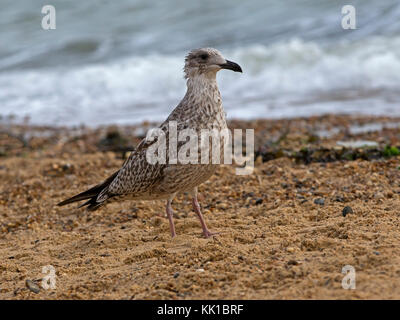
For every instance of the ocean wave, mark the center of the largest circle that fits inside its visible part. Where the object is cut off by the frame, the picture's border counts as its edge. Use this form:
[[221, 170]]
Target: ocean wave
[[283, 79]]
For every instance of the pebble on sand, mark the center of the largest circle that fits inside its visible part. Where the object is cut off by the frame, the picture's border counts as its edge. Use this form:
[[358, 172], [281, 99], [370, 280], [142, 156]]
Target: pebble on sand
[[292, 263], [32, 286], [346, 210], [320, 201]]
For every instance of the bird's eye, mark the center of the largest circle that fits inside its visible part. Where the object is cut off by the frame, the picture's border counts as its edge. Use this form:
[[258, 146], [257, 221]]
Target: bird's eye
[[204, 56]]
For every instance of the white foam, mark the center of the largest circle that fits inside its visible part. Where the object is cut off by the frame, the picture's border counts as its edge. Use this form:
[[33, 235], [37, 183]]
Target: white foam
[[281, 80]]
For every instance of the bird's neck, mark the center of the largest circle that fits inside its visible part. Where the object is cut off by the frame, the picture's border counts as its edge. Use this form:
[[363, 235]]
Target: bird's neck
[[204, 98], [204, 85]]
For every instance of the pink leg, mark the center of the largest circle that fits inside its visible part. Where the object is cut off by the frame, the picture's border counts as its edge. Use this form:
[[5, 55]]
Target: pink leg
[[170, 218], [196, 207]]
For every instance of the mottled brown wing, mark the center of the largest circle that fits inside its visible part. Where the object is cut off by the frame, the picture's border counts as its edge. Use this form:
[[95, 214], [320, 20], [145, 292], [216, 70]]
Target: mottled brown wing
[[137, 177]]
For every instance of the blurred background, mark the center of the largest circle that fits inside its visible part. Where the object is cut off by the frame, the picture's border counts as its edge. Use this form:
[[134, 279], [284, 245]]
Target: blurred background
[[121, 61]]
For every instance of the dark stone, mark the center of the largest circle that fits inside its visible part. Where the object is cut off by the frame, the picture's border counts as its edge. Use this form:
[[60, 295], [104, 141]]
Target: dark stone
[[32, 286], [346, 210], [259, 201], [176, 275], [320, 201], [292, 263]]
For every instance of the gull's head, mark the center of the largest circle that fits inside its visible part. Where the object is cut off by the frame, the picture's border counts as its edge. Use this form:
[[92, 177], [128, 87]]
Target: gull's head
[[207, 61]]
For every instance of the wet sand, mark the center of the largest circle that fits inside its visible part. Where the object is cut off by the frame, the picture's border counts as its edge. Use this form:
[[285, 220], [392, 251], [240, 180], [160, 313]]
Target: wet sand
[[285, 232]]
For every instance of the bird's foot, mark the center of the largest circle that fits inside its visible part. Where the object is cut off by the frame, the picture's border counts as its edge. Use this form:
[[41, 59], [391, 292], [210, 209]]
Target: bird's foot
[[208, 234]]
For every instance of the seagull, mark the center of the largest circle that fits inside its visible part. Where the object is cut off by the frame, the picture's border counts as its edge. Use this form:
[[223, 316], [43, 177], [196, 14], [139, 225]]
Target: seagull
[[138, 179]]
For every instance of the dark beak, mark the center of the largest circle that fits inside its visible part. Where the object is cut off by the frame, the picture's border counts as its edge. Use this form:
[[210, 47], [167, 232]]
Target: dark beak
[[231, 66]]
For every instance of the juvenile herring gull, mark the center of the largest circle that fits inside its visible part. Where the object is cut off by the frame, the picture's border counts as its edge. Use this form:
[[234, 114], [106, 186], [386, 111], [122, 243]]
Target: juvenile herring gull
[[201, 108]]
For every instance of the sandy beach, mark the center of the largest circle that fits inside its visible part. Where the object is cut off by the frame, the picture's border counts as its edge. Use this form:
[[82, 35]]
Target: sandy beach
[[325, 193]]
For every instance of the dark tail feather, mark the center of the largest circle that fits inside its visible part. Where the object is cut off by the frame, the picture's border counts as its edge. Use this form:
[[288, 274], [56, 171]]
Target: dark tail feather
[[91, 204], [90, 194]]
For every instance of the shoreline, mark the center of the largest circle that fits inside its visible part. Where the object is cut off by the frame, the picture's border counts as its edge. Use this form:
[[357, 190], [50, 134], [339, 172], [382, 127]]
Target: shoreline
[[286, 230], [273, 138], [11, 120]]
